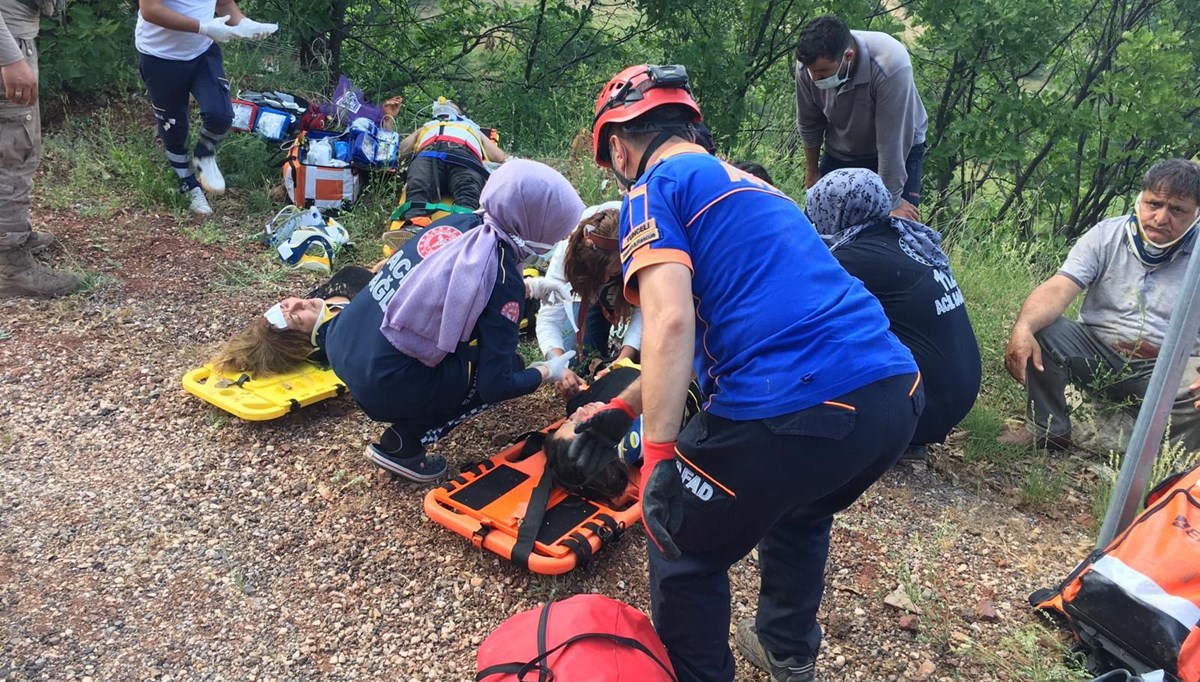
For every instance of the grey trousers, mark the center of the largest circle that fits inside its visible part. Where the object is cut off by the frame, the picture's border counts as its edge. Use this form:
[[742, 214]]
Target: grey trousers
[[20, 154], [1072, 353]]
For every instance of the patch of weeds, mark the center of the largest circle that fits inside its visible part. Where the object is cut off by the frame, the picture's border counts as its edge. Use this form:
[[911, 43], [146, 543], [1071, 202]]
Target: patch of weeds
[[1043, 486], [547, 587], [984, 424], [1102, 490], [149, 181], [93, 281], [529, 351], [98, 209], [240, 276], [207, 232], [239, 578], [5, 334], [921, 577], [216, 419], [1031, 654], [249, 163], [345, 480], [7, 438], [1173, 458]]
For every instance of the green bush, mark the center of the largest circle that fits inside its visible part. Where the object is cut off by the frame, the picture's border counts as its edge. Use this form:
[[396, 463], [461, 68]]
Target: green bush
[[87, 53]]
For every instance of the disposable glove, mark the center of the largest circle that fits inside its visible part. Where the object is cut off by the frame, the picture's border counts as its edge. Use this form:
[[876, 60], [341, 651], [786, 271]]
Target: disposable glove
[[556, 368], [218, 30], [662, 496], [254, 30], [549, 290], [597, 438]]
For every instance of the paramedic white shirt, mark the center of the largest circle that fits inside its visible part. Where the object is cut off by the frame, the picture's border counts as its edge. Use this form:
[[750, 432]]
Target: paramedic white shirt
[[181, 46]]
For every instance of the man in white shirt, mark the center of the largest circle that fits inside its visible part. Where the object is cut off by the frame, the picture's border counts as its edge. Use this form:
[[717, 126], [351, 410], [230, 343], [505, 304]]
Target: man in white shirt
[[178, 58]]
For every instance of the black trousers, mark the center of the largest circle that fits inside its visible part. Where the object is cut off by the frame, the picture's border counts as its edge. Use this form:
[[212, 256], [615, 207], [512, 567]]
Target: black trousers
[[775, 483], [431, 179]]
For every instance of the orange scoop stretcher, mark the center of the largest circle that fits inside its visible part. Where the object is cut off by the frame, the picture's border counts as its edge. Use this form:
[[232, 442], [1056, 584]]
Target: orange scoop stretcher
[[508, 505]]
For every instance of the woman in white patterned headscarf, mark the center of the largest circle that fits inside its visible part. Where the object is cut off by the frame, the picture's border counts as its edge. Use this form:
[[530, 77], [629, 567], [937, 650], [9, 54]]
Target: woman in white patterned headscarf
[[901, 262]]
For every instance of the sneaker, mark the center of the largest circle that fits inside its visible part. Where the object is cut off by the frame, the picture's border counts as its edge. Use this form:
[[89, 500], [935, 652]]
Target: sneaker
[[208, 174], [790, 669], [1017, 435], [197, 202], [422, 468]]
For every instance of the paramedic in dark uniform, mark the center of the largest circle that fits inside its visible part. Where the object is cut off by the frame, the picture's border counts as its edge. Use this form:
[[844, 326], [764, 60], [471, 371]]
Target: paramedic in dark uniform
[[449, 154], [901, 263], [432, 340], [809, 397]]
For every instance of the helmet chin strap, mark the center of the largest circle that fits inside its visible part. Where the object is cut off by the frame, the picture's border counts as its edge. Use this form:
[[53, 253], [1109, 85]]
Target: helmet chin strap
[[659, 140]]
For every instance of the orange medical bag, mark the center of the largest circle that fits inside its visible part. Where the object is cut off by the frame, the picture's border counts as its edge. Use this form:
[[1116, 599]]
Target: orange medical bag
[[1136, 603]]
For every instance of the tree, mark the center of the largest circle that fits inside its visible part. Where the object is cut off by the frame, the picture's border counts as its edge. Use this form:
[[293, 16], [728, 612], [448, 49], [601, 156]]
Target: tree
[[1055, 109]]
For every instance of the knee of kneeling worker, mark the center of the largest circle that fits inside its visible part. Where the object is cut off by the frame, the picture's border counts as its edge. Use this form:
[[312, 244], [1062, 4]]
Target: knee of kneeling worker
[[217, 123]]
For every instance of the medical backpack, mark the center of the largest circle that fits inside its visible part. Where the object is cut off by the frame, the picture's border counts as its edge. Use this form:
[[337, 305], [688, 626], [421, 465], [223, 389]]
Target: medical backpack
[[1135, 604], [319, 185], [586, 637]]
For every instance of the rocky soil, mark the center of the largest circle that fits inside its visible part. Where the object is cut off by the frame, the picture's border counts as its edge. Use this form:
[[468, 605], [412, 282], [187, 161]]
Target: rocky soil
[[147, 536]]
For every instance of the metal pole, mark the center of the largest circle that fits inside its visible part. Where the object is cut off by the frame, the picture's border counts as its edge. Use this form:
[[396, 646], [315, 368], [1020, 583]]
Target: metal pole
[[1151, 424]]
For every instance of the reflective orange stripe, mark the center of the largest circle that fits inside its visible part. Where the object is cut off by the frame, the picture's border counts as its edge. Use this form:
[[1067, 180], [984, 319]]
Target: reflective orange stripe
[[702, 472], [916, 383], [844, 406]]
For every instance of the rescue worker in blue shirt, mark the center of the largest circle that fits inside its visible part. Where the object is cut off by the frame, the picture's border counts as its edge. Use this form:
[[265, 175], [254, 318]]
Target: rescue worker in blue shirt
[[809, 397]]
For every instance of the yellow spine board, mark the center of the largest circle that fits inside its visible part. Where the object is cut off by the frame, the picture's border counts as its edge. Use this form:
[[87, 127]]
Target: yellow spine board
[[263, 399]]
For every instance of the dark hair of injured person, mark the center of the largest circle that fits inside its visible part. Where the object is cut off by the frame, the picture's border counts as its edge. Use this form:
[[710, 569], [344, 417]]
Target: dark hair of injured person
[[605, 479]]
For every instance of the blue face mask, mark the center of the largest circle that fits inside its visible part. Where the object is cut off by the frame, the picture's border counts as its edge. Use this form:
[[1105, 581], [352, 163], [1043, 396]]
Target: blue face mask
[[834, 80]]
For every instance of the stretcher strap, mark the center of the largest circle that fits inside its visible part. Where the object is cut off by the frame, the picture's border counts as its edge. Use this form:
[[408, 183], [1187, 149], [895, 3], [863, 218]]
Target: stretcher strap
[[580, 547], [534, 513], [458, 160]]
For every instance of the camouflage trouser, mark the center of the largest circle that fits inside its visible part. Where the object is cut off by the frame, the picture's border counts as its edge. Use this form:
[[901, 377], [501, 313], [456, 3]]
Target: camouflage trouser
[[20, 154]]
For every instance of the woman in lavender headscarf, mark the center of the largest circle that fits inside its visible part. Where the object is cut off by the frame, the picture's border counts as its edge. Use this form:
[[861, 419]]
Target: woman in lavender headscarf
[[423, 348], [901, 262]]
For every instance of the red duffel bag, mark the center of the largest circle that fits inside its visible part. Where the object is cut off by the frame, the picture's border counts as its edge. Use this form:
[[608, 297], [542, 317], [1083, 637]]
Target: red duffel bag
[[585, 638]]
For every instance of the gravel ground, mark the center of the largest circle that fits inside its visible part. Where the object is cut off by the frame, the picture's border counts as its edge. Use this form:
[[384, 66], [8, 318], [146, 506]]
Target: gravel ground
[[146, 536]]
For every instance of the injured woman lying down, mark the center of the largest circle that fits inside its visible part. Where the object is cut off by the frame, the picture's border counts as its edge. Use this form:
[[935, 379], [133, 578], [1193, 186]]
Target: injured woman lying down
[[605, 477]]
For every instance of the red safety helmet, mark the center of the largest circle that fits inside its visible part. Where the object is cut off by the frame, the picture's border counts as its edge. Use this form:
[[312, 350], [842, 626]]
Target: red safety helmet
[[635, 91]]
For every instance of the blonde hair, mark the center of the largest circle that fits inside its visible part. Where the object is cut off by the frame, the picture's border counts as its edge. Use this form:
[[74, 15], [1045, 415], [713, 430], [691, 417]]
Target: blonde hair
[[262, 350], [586, 268]]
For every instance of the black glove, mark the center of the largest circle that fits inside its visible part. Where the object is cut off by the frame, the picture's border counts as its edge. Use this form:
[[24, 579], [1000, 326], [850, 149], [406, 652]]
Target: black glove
[[662, 496], [596, 439]]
